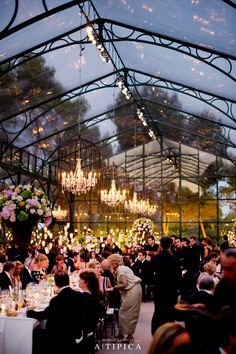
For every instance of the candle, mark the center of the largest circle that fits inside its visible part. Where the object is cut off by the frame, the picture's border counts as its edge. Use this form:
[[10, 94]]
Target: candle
[[3, 307]]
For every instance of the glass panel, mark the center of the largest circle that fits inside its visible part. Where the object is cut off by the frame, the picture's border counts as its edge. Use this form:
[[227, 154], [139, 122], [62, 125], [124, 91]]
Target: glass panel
[[228, 229], [227, 210], [208, 210], [211, 230], [189, 229], [227, 188], [43, 30], [176, 67], [189, 206], [210, 24], [211, 191]]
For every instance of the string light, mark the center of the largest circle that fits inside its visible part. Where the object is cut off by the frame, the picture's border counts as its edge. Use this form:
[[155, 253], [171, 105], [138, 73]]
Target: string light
[[93, 37]]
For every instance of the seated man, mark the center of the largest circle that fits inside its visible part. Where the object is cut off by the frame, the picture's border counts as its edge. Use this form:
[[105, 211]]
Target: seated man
[[64, 316], [7, 276]]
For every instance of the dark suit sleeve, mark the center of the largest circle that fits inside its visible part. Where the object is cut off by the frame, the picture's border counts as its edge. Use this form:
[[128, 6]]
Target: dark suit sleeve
[[38, 315], [41, 315]]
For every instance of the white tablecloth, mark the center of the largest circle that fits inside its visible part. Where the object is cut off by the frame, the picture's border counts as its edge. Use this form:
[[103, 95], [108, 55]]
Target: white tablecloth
[[16, 335]]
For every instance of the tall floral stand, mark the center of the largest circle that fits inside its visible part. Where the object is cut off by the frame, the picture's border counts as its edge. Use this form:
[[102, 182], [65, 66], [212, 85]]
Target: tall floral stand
[[21, 232]]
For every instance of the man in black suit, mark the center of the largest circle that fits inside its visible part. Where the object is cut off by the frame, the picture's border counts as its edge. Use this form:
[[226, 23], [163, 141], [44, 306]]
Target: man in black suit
[[25, 274], [204, 296], [167, 278], [7, 275], [151, 245], [225, 291], [64, 315], [133, 264]]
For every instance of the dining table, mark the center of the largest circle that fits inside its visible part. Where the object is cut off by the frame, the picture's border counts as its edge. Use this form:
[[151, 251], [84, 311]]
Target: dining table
[[16, 334], [16, 329]]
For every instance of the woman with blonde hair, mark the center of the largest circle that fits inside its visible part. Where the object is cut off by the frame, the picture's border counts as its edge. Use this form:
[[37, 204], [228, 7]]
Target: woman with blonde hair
[[170, 338], [131, 296], [40, 270], [210, 268]]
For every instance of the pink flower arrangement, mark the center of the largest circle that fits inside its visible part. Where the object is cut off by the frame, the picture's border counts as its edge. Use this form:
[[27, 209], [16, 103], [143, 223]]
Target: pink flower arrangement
[[24, 203]]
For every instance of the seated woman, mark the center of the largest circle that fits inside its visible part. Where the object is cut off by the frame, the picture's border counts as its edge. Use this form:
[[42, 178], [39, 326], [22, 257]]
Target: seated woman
[[131, 295], [40, 269], [104, 284], [92, 256], [89, 285], [60, 265]]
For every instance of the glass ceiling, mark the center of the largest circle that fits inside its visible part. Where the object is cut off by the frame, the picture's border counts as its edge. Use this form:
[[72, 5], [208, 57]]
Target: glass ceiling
[[177, 58]]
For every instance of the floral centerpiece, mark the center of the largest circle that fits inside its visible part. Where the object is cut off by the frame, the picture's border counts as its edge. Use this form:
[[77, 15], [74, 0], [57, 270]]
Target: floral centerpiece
[[21, 207], [142, 228]]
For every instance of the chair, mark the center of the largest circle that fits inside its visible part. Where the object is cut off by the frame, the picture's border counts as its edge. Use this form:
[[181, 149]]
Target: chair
[[98, 335], [110, 322]]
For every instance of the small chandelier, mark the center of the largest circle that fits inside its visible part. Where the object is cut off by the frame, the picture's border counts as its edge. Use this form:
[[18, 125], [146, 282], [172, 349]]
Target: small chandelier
[[59, 213], [77, 182], [113, 197], [151, 209], [133, 205], [136, 206]]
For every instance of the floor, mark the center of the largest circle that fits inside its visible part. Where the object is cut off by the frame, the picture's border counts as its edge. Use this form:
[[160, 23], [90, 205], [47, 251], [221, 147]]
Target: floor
[[142, 335]]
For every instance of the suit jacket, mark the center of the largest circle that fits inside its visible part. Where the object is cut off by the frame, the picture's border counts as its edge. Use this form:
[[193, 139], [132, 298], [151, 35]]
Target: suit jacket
[[5, 282], [167, 277], [65, 315], [202, 297], [146, 273], [25, 277], [135, 268]]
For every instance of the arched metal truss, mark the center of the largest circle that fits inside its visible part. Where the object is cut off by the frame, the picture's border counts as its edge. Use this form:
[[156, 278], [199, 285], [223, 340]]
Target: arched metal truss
[[19, 162]]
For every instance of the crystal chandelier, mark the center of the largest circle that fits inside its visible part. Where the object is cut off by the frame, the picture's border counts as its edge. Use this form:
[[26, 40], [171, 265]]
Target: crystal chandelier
[[136, 206], [151, 209], [77, 182], [59, 213], [113, 197], [133, 205]]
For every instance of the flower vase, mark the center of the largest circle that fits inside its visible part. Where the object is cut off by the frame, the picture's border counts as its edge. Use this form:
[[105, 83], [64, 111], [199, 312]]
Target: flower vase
[[21, 232]]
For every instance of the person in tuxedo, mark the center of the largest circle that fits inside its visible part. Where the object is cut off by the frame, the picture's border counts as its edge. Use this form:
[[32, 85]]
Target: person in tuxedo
[[167, 281], [151, 245], [64, 314], [7, 275], [205, 294], [225, 291], [25, 274], [133, 265]]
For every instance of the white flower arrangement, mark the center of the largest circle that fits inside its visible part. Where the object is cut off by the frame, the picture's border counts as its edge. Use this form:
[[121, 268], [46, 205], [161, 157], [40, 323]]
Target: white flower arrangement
[[143, 226]]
